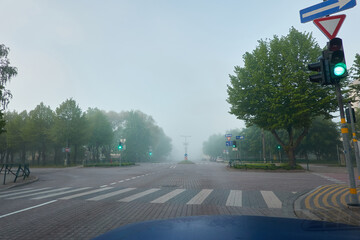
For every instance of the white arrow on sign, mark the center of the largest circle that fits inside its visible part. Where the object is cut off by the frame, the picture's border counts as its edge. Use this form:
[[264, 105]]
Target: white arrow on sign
[[340, 4]]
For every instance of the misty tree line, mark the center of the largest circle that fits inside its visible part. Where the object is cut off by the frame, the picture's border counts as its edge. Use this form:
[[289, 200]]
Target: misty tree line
[[43, 136], [319, 144]]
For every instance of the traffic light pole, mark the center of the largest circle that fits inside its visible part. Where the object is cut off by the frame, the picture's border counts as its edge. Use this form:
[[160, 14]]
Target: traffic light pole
[[356, 146], [354, 201]]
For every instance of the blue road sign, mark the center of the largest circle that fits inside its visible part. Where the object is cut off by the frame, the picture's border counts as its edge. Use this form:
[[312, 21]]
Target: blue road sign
[[228, 143], [239, 137], [228, 135], [185, 155], [325, 8]]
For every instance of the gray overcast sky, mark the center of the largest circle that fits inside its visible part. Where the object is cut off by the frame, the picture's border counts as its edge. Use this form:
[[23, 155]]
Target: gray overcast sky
[[169, 59]]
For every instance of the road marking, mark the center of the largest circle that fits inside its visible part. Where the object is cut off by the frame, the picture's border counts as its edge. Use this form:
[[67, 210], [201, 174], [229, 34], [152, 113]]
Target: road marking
[[139, 195], [37, 193], [85, 193], [103, 186], [200, 197], [168, 196], [26, 209], [127, 179], [133, 177], [121, 181], [101, 197], [61, 193], [13, 191], [272, 201], [18, 193], [113, 183], [234, 198]]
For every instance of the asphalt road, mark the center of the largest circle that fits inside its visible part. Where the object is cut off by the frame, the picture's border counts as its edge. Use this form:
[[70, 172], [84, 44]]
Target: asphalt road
[[82, 203]]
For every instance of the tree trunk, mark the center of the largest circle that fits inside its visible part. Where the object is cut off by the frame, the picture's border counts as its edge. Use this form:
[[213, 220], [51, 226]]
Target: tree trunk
[[291, 146]]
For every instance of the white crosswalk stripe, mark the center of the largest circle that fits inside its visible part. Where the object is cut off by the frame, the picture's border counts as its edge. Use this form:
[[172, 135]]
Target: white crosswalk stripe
[[38, 193], [139, 195], [271, 200], [61, 193], [200, 197], [19, 193], [168, 196], [85, 193], [234, 198], [107, 195]]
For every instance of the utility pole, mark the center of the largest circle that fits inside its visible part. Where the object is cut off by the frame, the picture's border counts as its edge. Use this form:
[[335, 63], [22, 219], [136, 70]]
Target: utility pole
[[185, 145]]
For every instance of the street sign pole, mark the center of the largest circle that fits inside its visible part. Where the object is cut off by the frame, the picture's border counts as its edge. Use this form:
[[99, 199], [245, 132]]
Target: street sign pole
[[354, 201], [356, 146]]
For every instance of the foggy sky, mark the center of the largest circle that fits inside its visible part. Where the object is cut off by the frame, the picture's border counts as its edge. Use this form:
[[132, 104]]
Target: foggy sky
[[169, 59]]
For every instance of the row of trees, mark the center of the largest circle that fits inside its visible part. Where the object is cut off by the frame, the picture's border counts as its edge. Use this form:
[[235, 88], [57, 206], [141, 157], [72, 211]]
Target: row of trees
[[43, 136], [319, 144], [272, 90]]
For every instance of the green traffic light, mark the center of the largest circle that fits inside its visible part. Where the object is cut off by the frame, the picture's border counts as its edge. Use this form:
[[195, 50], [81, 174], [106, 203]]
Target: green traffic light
[[150, 153], [278, 146], [339, 69], [120, 146]]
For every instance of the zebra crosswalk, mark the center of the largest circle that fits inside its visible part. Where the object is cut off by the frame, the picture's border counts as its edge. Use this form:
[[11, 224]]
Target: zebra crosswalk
[[229, 198]]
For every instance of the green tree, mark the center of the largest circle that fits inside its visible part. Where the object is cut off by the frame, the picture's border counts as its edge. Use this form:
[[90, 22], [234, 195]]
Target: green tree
[[214, 146], [70, 128], [272, 90], [16, 143], [322, 140], [6, 73], [37, 131], [100, 133]]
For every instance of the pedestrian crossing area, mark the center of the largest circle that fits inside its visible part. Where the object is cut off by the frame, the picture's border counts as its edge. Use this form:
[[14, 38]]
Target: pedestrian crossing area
[[230, 198]]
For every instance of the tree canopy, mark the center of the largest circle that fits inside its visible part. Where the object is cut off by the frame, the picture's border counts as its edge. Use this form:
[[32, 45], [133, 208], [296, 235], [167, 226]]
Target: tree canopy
[[272, 90], [6, 73]]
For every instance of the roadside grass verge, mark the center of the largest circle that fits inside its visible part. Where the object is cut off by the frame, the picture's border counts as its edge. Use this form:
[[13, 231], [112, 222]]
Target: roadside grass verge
[[186, 162], [267, 166]]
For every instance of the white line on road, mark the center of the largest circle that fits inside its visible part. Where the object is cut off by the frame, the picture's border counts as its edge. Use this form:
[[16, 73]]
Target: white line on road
[[13, 191], [18, 193], [271, 199], [121, 181], [139, 195], [103, 186], [85, 193], [26, 209], [234, 198], [127, 179], [168, 196], [113, 183], [101, 197], [200, 197], [61, 193], [38, 193]]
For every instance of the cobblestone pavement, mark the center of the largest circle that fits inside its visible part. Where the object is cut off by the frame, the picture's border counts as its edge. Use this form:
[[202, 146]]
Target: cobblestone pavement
[[81, 203]]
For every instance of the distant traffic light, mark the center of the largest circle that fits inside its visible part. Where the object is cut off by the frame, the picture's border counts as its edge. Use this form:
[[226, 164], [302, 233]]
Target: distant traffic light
[[120, 146], [279, 147], [150, 153], [337, 62], [234, 144]]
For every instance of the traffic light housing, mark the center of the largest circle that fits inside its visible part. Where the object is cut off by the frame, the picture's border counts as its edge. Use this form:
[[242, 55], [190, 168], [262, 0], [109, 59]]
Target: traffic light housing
[[337, 64], [234, 144], [150, 153], [322, 67], [120, 146]]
